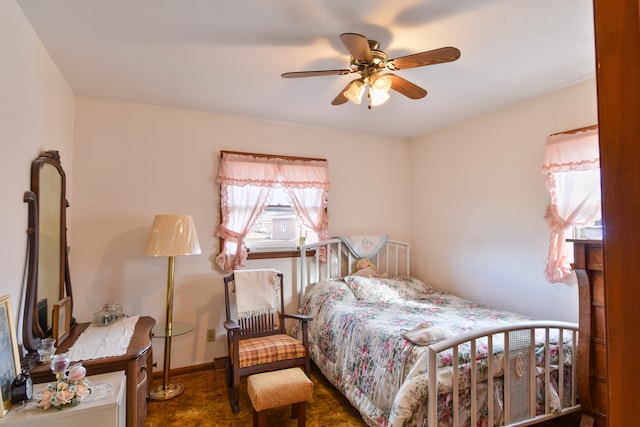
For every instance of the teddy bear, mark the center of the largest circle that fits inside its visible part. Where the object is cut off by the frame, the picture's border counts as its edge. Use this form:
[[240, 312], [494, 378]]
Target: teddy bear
[[366, 268]]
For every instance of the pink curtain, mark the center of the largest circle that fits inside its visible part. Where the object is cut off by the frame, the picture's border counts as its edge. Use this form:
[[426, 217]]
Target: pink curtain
[[310, 205], [246, 185], [572, 166]]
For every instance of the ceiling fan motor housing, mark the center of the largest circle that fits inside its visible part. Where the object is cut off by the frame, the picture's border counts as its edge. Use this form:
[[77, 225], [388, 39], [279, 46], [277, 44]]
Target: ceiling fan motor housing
[[367, 68]]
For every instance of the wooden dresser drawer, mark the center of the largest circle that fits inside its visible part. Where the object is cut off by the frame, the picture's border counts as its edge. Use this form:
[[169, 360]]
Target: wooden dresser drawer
[[143, 363], [599, 365], [598, 330], [595, 260], [592, 350], [600, 394], [597, 288]]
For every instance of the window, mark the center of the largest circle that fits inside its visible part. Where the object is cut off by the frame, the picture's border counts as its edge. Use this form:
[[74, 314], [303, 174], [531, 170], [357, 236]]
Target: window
[[278, 228], [269, 202], [572, 166]]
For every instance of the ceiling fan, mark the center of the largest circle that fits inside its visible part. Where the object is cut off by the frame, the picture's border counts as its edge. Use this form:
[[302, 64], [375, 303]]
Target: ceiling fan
[[368, 60]]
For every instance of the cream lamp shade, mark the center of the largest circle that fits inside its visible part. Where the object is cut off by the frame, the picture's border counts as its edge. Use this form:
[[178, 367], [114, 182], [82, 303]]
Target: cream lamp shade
[[172, 235]]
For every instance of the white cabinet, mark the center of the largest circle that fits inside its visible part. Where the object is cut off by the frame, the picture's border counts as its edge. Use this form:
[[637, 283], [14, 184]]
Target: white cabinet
[[105, 407]]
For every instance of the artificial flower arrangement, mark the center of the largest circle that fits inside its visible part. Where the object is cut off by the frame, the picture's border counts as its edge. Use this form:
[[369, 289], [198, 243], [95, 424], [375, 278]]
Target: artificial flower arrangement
[[71, 389]]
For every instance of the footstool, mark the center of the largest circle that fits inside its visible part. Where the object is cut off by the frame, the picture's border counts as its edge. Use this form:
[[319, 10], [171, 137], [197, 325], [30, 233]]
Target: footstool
[[269, 390]]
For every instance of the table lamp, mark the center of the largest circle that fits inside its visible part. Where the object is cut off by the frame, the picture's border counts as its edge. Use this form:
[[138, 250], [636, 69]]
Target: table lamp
[[170, 236]]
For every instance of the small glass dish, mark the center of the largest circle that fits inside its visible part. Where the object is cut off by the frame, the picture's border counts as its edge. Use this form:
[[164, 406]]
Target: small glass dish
[[111, 312], [46, 350]]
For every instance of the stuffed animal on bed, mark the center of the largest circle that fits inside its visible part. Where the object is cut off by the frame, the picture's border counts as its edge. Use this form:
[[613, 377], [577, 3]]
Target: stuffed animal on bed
[[366, 268]]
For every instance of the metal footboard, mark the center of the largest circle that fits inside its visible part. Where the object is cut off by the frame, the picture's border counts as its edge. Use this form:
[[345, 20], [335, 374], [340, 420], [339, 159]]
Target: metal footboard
[[520, 372]]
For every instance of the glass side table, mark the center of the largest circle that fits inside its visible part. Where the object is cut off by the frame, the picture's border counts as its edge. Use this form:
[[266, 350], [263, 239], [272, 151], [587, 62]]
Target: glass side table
[[177, 328], [169, 390]]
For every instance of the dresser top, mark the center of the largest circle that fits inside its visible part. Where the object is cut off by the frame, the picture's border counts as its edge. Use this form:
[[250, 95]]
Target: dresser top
[[107, 391]]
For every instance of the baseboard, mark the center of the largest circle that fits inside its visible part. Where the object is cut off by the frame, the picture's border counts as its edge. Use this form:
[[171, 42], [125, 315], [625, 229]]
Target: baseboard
[[217, 364]]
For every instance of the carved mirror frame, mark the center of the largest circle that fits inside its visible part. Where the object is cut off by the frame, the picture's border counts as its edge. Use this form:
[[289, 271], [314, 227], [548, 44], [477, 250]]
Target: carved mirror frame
[[48, 264]]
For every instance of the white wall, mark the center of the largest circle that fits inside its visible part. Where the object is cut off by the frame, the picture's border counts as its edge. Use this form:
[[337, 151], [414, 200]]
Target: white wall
[[36, 114], [133, 161], [478, 199]]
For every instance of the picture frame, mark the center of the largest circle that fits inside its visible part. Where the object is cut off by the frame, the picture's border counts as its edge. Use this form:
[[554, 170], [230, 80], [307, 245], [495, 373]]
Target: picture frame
[[9, 355], [61, 320]]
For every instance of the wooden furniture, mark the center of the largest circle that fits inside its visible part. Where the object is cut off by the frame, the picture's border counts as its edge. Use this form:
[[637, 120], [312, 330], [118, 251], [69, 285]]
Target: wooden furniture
[[136, 363], [617, 35], [45, 286], [592, 351], [279, 388], [260, 343], [107, 410], [47, 282]]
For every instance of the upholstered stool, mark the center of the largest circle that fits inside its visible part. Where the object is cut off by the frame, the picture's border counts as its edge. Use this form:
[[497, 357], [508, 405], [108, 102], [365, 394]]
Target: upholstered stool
[[280, 388]]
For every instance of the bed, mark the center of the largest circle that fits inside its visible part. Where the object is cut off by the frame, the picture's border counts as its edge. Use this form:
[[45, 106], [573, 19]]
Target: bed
[[388, 342]]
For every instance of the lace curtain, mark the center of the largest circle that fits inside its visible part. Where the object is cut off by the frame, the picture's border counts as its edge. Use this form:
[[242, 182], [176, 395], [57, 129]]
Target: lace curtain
[[246, 186], [572, 166]]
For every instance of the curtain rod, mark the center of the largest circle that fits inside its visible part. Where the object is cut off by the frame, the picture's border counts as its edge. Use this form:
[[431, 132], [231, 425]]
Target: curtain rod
[[270, 156], [569, 132]]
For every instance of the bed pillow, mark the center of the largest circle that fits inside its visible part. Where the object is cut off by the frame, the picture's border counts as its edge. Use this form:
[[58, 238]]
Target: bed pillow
[[415, 288], [334, 289], [426, 334], [375, 289]]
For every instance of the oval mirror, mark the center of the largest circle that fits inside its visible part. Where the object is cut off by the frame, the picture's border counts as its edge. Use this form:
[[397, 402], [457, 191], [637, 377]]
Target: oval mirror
[[48, 273]]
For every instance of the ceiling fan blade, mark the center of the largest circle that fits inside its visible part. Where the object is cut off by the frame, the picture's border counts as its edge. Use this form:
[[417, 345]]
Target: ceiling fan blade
[[407, 88], [295, 74], [358, 46], [341, 99], [430, 57]]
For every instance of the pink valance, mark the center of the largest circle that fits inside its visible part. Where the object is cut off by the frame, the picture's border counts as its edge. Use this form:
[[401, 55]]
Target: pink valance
[[245, 169], [572, 151]]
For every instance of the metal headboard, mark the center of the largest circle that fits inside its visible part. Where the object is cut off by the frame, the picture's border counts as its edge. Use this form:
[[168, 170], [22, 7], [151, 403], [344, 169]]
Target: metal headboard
[[393, 259]]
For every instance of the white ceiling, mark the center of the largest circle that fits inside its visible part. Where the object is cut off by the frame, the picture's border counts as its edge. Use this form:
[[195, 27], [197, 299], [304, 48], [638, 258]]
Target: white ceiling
[[226, 56]]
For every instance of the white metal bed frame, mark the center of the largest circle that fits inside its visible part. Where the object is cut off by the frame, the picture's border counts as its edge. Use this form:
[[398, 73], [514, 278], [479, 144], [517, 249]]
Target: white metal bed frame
[[520, 372], [394, 259]]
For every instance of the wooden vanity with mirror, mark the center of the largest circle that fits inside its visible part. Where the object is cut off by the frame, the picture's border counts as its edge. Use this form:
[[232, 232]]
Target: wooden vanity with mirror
[[48, 283]]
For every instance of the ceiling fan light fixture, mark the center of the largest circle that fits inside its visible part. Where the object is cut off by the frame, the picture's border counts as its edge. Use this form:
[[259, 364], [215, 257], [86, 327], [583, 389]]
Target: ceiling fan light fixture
[[378, 97], [379, 89], [355, 92], [382, 83]]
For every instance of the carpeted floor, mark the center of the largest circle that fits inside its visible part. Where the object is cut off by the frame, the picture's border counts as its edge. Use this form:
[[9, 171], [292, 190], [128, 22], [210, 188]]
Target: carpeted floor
[[205, 403]]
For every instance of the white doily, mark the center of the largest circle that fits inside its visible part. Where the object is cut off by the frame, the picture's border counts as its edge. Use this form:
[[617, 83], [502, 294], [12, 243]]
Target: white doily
[[104, 341]]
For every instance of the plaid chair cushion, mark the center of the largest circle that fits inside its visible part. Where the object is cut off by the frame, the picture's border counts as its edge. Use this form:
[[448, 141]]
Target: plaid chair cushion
[[268, 349]]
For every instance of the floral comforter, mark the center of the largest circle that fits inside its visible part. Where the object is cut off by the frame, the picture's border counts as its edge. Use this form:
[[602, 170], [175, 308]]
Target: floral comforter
[[357, 341]]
